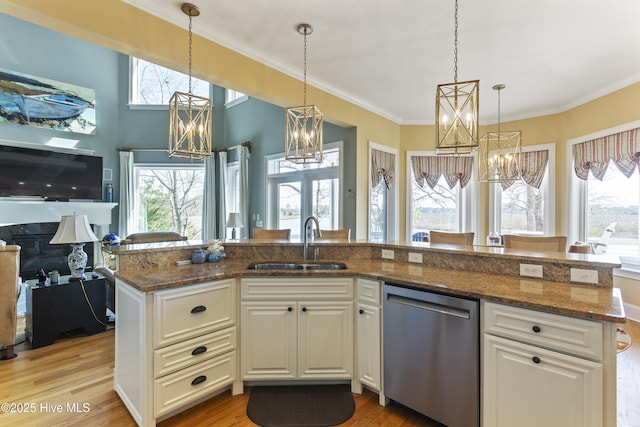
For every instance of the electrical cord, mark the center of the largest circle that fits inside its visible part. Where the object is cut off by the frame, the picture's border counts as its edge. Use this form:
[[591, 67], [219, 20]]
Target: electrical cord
[[86, 297]]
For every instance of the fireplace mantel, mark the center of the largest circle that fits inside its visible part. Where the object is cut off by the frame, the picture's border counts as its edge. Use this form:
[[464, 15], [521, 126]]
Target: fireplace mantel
[[36, 211]]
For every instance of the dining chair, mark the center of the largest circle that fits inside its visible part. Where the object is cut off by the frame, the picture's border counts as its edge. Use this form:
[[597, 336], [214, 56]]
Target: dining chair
[[340, 234], [535, 243], [441, 237], [153, 237], [9, 293], [265, 234]]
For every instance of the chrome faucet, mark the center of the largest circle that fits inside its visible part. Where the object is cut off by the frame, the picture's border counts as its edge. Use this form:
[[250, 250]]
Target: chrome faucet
[[305, 251]]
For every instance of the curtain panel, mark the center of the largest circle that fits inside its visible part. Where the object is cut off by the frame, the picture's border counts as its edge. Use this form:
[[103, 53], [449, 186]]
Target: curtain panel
[[534, 165], [623, 149], [382, 167], [429, 169], [126, 219]]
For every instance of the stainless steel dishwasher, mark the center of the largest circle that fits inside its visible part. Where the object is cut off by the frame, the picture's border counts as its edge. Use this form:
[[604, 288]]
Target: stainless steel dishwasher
[[432, 354]]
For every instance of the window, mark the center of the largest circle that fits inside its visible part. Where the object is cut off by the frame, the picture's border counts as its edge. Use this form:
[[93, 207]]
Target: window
[[383, 200], [233, 97], [522, 208], [443, 207], [153, 85], [169, 198], [296, 191], [603, 201]]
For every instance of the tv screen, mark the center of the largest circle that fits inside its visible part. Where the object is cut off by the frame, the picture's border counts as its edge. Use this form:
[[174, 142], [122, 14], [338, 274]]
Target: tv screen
[[49, 174]]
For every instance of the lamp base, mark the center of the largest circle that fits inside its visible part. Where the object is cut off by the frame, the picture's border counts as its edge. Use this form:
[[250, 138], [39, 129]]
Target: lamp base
[[77, 261]]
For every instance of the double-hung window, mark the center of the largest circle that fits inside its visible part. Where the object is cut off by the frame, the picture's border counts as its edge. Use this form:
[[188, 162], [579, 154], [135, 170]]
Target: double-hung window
[[441, 194], [526, 206], [296, 191], [383, 193]]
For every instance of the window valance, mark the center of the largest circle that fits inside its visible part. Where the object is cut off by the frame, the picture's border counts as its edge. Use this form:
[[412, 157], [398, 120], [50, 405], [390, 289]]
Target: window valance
[[622, 148], [382, 167], [429, 169], [534, 165]]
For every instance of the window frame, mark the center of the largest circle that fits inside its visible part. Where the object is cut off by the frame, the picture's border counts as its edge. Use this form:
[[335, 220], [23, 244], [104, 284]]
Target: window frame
[[495, 194], [233, 98], [466, 198], [391, 195]]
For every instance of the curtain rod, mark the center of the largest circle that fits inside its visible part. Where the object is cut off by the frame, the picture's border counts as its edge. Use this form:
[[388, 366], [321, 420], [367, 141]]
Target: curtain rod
[[215, 150]]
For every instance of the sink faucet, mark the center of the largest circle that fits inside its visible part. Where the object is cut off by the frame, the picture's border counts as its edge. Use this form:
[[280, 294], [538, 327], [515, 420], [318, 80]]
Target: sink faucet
[[305, 251]]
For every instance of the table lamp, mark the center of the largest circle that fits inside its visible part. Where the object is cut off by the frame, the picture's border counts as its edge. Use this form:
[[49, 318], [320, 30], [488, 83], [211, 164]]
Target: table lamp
[[233, 222], [75, 230]]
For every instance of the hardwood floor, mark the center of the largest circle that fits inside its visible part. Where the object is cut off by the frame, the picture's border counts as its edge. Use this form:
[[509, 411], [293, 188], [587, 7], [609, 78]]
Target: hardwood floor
[[44, 384]]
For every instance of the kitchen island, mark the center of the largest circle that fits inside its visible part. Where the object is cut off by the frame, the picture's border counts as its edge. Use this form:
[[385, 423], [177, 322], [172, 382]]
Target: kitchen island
[[149, 281]]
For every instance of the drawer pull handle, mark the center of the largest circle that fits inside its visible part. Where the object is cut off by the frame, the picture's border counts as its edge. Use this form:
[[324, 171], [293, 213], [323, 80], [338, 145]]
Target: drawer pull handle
[[198, 309], [536, 359], [199, 380], [198, 350], [361, 311], [304, 308], [536, 329], [290, 309]]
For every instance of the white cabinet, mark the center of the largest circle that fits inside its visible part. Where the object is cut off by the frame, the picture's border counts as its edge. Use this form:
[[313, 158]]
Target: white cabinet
[[307, 335], [368, 337], [175, 347], [546, 369]]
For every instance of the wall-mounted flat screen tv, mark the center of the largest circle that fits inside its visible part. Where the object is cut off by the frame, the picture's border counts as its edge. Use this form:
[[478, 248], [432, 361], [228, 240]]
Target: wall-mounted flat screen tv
[[48, 174]]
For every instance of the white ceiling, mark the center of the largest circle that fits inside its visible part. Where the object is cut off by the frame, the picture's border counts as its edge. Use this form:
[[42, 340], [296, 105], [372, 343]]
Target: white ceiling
[[388, 56]]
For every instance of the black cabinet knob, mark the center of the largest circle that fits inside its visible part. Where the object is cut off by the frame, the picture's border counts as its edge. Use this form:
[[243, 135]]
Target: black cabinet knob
[[361, 311], [536, 359], [536, 328], [290, 309], [304, 308]]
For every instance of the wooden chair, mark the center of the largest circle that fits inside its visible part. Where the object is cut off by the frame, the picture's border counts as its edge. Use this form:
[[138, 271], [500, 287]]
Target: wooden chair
[[9, 293], [153, 237], [581, 248], [264, 234], [535, 243], [340, 234], [441, 237]]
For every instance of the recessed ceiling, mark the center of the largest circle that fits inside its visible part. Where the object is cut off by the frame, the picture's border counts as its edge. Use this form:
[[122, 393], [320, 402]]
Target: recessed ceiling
[[389, 56]]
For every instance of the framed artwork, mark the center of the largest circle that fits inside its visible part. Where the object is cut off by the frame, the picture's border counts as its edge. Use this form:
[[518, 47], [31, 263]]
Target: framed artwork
[[34, 101]]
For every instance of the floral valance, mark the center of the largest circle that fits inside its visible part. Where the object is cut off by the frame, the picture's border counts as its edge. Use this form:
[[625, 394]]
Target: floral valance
[[533, 166], [429, 169], [382, 167], [623, 149]]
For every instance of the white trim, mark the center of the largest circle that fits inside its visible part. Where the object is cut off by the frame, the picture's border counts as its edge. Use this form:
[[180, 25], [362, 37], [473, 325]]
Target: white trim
[[632, 312], [393, 228]]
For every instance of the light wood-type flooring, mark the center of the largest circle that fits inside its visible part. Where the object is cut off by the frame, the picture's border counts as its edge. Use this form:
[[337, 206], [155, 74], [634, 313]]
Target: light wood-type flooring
[[71, 383]]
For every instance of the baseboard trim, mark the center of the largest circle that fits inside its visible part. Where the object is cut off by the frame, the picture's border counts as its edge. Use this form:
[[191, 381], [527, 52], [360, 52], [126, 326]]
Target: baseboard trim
[[632, 312]]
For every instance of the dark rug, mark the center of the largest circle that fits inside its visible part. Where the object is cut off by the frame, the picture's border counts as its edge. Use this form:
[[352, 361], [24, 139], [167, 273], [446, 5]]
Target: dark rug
[[300, 405]]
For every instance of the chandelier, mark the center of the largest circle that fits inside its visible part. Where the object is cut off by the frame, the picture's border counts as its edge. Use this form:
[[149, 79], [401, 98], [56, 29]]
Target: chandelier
[[457, 110], [189, 115], [304, 124], [500, 153]]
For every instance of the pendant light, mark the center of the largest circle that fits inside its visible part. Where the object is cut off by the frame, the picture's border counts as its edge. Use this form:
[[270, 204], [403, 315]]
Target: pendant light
[[500, 153], [304, 124], [189, 115], [457, 110]]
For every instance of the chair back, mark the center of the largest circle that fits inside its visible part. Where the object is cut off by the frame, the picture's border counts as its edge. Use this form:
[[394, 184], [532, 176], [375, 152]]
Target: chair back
[[340, 234], [9, 292], [535, 243], [153, 237], [264, 234], [441, 237]]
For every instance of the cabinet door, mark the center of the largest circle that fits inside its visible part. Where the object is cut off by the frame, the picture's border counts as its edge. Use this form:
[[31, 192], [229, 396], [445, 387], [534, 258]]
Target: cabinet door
[[325, 339], [368, 345], [529, 386], [268, 337]]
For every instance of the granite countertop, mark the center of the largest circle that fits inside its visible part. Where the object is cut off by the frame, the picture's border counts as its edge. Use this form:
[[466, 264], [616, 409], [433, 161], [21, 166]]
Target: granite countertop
[[570, 299]]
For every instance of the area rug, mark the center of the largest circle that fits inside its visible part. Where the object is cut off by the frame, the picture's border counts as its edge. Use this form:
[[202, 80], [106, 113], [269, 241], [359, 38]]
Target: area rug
[[623, 340], [300, 405]]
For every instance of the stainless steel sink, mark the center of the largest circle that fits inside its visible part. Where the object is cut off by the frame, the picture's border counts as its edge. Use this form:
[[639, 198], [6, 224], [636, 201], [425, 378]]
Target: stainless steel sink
[[297, 266]]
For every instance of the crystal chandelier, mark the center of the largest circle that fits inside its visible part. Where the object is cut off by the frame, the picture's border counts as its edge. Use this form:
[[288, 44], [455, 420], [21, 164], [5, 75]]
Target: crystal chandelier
[[500, 153], [189, 115], [304, 124], [457, 110]]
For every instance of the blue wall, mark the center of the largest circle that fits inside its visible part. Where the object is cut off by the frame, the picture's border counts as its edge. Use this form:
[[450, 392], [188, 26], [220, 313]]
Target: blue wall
[[30, 49]]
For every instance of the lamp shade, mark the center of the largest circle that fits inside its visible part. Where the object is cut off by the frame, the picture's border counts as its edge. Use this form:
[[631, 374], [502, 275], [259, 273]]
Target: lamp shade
[[74, 229], [234, 220]]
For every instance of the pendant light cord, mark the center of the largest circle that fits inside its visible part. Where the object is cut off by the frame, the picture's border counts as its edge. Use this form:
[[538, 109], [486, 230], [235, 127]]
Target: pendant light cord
[[190, 44], [305, 67], [455, 46]]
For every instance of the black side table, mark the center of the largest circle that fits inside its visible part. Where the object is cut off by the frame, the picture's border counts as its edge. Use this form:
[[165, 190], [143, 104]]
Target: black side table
[[52, 310]]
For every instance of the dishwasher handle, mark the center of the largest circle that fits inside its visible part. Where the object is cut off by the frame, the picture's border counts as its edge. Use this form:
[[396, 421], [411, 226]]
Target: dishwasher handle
[[429, 306]]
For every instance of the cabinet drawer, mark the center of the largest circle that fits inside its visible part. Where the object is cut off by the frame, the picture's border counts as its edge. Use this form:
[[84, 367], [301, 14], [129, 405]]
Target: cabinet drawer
[[309, 288], [566, 334], [183, 354], [174, 391], [368, 291], [191, 311]]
